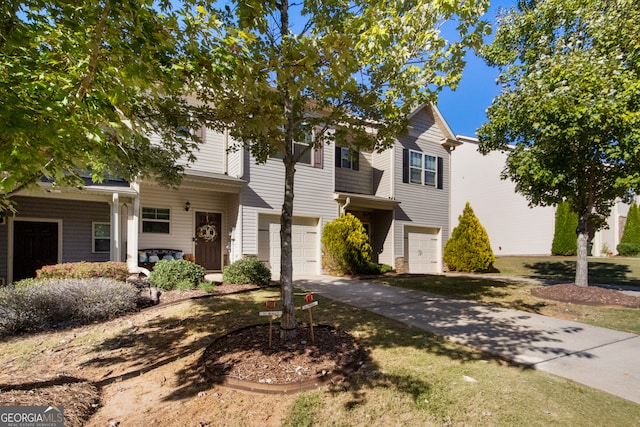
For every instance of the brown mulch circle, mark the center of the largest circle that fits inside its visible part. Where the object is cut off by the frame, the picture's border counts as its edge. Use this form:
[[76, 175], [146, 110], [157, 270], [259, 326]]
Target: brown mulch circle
[[586, 295], [243, 359]]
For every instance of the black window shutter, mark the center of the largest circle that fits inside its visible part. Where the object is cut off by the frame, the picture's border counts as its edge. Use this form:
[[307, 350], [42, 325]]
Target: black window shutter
[[338, 160], [317, 157], [355, 159], [405, 165], [440, 168]]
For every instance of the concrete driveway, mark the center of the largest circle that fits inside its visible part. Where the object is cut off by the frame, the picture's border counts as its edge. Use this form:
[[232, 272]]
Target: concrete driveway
[[600, 358]]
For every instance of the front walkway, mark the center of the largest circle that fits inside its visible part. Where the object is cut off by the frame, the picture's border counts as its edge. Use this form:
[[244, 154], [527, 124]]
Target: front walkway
[[600, 358]]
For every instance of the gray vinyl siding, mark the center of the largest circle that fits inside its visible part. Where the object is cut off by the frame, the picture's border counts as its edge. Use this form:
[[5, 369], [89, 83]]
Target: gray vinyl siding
[[381, 173], [236, 156], [77, 218], [421, 205], [360, 181], [265, 194]]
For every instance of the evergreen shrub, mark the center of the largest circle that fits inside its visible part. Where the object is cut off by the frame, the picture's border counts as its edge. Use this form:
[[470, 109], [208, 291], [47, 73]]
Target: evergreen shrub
[[468, 248], [176, 274], [345, 246], [565, 241], [247, 271], [630, 240]]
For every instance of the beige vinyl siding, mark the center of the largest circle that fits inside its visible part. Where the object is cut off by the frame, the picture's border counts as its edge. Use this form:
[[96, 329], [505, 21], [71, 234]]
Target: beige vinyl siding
[[421, 205], [265, 194], [77, 218], [182, 225], [381, 173], [210, 155], [360, 181]]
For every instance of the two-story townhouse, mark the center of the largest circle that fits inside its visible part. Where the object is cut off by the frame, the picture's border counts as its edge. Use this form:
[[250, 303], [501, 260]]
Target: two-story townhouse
[[228, 207], [402, 194]]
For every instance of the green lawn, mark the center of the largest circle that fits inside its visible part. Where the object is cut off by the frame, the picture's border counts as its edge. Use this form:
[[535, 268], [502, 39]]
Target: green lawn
[[409, 378], [614, 271], [514, 294]]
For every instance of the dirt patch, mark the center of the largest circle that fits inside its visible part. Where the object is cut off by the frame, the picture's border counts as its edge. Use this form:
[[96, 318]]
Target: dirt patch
[[586, 295], [247, 355]]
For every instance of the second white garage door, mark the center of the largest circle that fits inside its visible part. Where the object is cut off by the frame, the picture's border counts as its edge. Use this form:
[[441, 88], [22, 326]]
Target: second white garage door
[[423, 250], [304, 240]]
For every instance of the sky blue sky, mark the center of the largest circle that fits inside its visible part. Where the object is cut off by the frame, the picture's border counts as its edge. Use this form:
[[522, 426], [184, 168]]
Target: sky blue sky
[[464, 109]]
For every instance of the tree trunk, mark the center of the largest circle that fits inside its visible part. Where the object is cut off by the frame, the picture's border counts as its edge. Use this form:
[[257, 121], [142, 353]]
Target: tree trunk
[[288, 320], [582, 265]]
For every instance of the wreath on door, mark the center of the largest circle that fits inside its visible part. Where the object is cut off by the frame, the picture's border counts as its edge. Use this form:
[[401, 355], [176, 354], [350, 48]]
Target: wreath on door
[[207, 232]]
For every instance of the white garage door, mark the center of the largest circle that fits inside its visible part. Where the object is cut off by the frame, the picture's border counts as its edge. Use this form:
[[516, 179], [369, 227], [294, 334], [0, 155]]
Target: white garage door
[[304, 241], [423, 250]]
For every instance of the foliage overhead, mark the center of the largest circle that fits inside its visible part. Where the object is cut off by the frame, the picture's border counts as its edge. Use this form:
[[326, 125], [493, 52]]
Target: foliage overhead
[[83, 87], [468, 248], [569, 105]]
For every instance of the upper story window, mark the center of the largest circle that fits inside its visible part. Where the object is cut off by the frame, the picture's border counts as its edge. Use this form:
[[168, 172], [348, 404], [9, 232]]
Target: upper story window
[[156, 220], [101, 237], [347, 158], [309, 156], [420, 168]]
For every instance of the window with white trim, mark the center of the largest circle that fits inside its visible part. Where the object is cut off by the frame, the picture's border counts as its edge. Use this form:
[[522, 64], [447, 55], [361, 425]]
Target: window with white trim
[[347, 158], [311, 156], [101, 237], [156, 220], [423, 168]]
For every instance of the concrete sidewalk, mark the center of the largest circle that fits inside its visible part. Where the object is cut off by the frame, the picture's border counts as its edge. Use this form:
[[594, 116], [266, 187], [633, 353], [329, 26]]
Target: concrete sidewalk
[[600, 358]]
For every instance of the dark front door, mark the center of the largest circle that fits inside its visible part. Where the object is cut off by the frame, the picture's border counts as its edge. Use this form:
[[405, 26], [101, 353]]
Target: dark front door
[[209, 240], [34, 244]]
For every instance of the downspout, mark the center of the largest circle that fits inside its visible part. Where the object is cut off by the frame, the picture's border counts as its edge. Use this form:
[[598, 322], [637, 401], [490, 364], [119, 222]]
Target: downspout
[[225, 152], [343, 209]]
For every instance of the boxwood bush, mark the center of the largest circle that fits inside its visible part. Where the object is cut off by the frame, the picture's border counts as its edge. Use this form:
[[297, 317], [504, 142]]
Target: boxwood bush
[[176, 274], [247, 271], [43, 304], [85, 270]]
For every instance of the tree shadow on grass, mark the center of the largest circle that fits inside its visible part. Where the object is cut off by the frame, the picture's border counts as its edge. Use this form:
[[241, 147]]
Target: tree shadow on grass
[[599, 272]]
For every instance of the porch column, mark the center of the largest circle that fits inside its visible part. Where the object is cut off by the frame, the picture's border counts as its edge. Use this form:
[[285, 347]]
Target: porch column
[[114, 252], [132, 230]]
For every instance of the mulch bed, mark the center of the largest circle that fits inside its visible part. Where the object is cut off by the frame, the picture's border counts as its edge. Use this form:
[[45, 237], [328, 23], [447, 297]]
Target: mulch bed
[[586, 295], [246, 355]]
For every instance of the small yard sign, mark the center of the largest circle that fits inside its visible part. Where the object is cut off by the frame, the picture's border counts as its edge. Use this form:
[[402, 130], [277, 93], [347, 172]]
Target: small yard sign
[[310, 303], [271, 305]]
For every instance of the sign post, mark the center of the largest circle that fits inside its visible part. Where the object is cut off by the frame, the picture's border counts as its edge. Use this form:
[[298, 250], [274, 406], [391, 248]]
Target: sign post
[[310, 304], [271, 305]]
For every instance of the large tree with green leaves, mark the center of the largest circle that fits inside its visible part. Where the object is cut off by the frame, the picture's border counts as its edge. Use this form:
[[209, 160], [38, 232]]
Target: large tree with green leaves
[[83, 87], [570, 104], [349, 71]]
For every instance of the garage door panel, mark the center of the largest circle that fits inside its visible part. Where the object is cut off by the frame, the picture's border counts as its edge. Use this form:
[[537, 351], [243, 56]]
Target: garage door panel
[[304, 242], [423, 251]]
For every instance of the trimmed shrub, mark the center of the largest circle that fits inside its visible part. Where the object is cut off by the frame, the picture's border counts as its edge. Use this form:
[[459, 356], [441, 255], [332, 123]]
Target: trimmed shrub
[[630, 240], [345, 246], [373, 268], [565, 241], [176, 274], [58, 302], [628, 249], [85, 270], [468, 248], [247, 271]]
